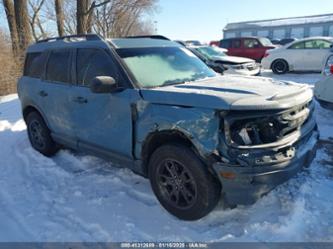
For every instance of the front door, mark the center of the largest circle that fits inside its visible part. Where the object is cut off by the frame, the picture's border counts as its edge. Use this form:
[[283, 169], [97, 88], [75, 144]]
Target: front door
[[103, 122], [252, 49]]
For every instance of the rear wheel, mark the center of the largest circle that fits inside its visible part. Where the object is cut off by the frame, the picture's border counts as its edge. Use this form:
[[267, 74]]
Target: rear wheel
[[182, 183], [39, 135], [280, 67]]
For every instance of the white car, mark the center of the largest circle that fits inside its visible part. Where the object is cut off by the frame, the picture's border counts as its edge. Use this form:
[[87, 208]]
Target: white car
[[324, 88], [302, 55], [217, 59]]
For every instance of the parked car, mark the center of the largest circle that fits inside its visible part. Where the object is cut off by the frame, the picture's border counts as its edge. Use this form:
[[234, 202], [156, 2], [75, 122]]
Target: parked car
[[324, 88], [153, 106], [217, 59], [302, 55], [286, 41], [249, 47], [275, 42], [193, 43]]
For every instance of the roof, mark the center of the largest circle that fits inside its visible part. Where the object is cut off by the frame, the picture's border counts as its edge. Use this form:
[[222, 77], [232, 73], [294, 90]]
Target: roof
[[95, 41], [280, 22], [142, 43], [315, 38], [71, 41]]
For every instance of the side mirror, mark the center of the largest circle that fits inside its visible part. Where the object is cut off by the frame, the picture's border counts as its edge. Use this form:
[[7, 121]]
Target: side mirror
[[103, 84]]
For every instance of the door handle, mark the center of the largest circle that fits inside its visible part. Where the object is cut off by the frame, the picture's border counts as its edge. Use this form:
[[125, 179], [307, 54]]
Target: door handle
[[80, 100], [43, 93]]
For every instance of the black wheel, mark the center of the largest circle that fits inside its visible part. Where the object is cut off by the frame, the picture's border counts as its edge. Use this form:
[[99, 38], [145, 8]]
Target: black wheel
[[280, 67], [39, 135], [182, 183]]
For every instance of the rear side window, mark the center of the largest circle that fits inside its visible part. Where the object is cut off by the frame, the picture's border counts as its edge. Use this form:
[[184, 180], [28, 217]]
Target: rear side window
[[34, 65], [317, 44], [92, 63], [225, 44], [298, 45], [58, 66]]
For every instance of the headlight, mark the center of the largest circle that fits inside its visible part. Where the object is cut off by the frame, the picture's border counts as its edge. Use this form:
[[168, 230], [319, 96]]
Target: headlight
[[254, 132], [328, 70]]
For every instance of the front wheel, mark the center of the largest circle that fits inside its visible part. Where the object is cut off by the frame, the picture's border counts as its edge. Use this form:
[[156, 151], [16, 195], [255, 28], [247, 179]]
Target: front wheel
[[280, 67], [182, 183]]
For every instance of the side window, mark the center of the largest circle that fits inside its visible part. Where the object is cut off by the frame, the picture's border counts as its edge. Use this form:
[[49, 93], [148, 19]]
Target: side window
[[92, 63], [251, 43], [58, 66], [225, 44], [236, 43], [317, 44], [34, 65], [298, 45]]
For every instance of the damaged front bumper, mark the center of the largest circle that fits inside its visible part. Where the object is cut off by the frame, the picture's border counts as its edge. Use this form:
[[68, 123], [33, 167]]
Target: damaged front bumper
[[247, 172], [247, 184]]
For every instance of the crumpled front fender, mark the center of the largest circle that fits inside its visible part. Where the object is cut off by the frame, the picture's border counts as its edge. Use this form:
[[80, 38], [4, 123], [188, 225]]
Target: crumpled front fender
[[199, 125]]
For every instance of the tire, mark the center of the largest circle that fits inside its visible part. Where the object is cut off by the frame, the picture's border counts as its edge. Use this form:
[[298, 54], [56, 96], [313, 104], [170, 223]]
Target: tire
[[280, 67], [182, 183], [39, 135]]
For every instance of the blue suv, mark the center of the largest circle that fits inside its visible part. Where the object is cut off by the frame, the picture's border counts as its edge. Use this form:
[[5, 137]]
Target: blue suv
[[151, 105]]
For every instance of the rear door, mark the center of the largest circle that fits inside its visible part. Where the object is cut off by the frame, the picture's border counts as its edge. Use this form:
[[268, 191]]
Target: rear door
[[315, 52], [55, 94], [103, 122], [236, 48]]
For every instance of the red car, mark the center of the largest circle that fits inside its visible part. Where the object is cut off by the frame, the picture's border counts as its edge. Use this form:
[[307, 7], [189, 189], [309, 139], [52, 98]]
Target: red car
[[249, 47]]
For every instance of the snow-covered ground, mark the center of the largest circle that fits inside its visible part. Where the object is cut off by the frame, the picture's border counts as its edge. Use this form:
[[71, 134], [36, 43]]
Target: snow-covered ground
[[76, 197]]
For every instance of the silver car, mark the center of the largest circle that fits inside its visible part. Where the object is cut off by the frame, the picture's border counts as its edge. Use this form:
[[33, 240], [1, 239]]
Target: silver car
[[217, 59], [324, 88]]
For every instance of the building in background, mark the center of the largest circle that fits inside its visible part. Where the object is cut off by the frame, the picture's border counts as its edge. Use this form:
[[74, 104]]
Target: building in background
[[293, 27]]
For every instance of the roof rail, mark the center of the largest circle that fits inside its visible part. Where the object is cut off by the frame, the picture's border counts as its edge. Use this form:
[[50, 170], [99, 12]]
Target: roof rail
[[159, 37], [89, 37]]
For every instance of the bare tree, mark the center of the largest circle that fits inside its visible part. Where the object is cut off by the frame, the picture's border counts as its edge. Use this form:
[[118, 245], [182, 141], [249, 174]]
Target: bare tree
[[22, 24], [58, 4], [123, 18], [10, 13], [81, 16], [9, 72], [34, 19]]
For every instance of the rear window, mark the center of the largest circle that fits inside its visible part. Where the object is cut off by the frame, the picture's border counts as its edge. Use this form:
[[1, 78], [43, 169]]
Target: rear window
[[34, 65], [58, 66], [298, 45]]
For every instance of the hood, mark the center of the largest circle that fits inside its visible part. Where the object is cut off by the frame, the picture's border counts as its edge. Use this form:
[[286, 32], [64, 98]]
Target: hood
[[231, 93], [232, 59]]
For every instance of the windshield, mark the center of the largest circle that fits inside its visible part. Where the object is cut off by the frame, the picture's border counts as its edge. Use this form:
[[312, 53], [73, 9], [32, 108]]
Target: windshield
[[154, 67], [265, 42], [210, 52]]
